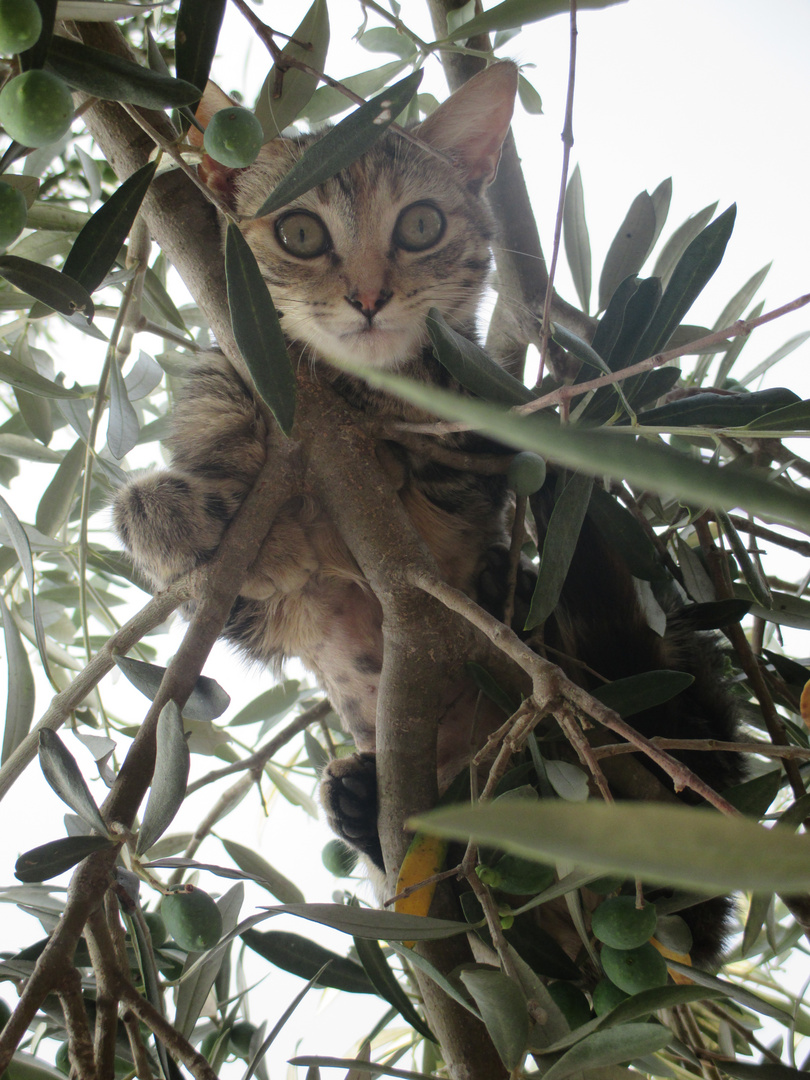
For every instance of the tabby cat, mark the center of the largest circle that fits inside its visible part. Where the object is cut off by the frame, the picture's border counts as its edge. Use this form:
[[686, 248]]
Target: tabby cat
[[353, 267]]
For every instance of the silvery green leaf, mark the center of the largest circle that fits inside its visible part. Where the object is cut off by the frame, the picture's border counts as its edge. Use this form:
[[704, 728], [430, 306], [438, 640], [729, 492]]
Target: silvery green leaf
[[775, 357], [559, 544], [373, 922], [98, 245], [327, 100], [639, 692], [62, 773], [266, 875], [610, 1047], [257, 330], [303, 957], [692, 848], [144, 377], [123, 426], [274, 702], [569, 781], [275, 113], [113, 78], [341, 145], [195, 41], [388, 39], [21, 693], [629, 248], [19, 539], [503, 1010], [680, 241], [19, 446], [101, 10], [52, 287], [661, 198], [512, 13], [54, 858], [472, 366], [652, 466], [206, 702], [529, 97], [169, 780], [576, 239], [376, 967]]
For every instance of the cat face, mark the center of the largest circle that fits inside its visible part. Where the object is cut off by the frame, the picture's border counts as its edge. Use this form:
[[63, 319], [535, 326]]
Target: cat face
[[355, 264]]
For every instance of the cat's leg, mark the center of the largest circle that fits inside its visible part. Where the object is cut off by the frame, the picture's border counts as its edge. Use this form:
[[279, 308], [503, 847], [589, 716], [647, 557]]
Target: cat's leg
[[349, 798], [172, 520]]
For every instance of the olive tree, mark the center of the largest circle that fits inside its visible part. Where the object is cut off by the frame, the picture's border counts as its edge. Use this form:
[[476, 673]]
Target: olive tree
[[695, 483]]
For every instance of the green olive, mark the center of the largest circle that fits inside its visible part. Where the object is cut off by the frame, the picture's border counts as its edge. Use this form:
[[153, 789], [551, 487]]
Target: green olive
[[526, 474], [571, 1002], [634, 970], [233, 137], [20, 25], [618, 922], [338, 858], [156, 928], [241, 1034], [606, 996], [192, 918], [13, 214], [36, 108]]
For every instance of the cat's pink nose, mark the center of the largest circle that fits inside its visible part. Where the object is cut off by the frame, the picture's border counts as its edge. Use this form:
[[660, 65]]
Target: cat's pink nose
[[369, 301]]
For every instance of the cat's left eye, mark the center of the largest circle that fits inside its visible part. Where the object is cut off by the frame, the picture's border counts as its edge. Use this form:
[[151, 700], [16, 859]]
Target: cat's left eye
[[419, 227], [303, 234]]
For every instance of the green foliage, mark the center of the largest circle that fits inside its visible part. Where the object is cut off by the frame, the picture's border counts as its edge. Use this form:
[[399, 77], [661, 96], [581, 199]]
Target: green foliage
[[679, 466]]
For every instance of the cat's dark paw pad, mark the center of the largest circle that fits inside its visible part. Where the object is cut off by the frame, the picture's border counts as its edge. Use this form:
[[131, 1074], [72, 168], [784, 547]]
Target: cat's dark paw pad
[[349, 799], [492, 585]]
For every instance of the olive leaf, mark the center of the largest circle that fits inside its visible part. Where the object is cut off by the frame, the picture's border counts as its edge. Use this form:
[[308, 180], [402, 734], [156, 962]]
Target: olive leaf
[[112, 78], [25, 378], [62, 773], [302, 957], [376, 967], [472, 366], [206, 701], [99, 243], [692, 848], [520, 13], [610, 1047], [639, 692], [19, 539], [258, 331], [343, 144], [275, 111], [195, 41], [51, 859], [21, 694], [52, 287], [629, 248], [559, 545], [172, 762], [503, 1010]]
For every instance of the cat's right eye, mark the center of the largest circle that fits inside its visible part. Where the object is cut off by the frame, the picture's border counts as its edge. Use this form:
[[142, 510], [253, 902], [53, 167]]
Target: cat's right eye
[[303, 234]]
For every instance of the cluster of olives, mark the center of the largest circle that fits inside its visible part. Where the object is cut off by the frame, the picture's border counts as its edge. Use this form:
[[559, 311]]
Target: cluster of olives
[[630, 961], [35, 107]]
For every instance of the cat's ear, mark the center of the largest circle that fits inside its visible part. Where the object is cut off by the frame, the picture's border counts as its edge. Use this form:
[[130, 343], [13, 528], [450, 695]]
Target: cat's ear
[[216, 176], [472, 124]]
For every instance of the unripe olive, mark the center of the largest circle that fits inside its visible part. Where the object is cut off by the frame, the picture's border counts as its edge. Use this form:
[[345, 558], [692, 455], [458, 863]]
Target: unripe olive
[[36, 107], [606, 996], [5, 1014], [20, 25], [62, 1059], [338, 858], [634, 970], [571, 1002], [619, 923], [240, 1036], [512, 874], [526, 474], [604, 885], [233, 137], [192, 918]]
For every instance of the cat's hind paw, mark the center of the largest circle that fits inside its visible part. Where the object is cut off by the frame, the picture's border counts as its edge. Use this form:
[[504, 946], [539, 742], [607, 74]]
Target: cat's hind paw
[[349, 799]]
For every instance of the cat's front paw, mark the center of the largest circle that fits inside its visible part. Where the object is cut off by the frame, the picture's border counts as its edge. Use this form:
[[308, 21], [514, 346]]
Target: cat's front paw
[[170, 522], [492, 585], [349, 799]]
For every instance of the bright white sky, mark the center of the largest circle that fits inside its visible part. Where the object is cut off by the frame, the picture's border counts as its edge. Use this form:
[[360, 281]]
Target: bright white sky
[[715, 94]]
